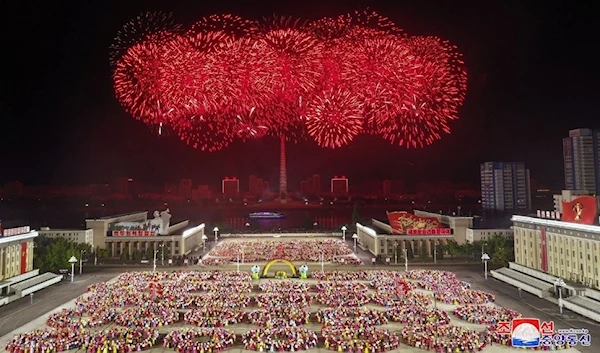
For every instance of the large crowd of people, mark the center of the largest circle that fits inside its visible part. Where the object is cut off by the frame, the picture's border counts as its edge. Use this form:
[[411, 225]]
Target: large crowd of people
[[309, 250], [188, 340], [288, 339], [485, 314], [141, 303], [359, 338]]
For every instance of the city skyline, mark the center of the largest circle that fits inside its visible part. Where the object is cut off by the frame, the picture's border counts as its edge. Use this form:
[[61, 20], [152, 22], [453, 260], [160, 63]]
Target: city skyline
[[86, 137]]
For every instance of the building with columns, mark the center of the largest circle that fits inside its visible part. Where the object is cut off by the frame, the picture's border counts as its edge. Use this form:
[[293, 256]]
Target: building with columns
[[16, 252], [18, 278], [386, 244], [134, 232]]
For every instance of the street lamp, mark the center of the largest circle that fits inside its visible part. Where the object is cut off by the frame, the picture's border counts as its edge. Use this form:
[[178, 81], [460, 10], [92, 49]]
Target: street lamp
[[154, 263], [204, 239], [72, 261], [560, 284], [81, 261], [485, 258], [354, 236], [162, 258], [435, 244], [216, 230], [344, 229], [322, 263], [483, 250], [405, 259], [395, 252]]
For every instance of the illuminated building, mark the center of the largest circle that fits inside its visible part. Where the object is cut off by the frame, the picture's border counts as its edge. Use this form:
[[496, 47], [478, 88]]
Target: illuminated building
[[124, 234], [17, 275], [387, 188], [185, 189], [505, 186], [230, 187], [80, 236], [581, 156], [339, 186], [568, 248]]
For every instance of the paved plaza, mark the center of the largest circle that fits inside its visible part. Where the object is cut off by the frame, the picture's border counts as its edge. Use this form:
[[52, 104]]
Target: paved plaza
[[315, 307]]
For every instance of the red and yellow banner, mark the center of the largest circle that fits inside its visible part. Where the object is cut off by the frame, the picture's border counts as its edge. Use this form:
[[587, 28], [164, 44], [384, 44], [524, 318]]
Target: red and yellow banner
[[23, 257], [402, 221], [583, 209]]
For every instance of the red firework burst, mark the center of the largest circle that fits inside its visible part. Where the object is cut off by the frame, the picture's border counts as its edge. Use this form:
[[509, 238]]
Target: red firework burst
[[334, 118], [435, 98], [214, 31], [137, 82], [205, 133], [332, 79], [141, 28]]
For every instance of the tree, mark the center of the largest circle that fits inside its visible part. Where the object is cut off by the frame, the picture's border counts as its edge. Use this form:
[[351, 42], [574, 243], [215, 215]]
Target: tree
[[136, 255], [356, 217], [440, 249], [149, 253], [452, 248], [467, 250], [409, 251], [501, 256], [423, 249], [52, 254]]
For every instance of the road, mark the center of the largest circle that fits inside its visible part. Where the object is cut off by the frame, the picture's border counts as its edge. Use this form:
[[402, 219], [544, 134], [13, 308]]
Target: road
[[22, 311], [532, 306]]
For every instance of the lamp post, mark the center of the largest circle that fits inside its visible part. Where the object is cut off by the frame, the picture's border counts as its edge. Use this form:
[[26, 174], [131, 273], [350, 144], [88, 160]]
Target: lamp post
[[216, 230], [483, 250], [405, 259], [238, 262], [434, 301], [72, 261], [204, 239], [560, 284], [154, 263], [354, 236], [395, 252], [485, 258], [322, 262], [162, 258], [344, 229], [81, 261], [435, 244]]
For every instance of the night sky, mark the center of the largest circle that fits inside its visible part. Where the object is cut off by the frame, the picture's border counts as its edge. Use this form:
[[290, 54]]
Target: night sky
[[532, 69]]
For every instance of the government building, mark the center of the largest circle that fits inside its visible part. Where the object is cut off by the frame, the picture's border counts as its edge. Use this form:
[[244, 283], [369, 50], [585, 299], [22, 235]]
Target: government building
[[18, 278], [557, 254]]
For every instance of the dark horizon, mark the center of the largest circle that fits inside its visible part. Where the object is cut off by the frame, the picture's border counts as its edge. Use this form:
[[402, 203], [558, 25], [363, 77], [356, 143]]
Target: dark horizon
[[529, 67]]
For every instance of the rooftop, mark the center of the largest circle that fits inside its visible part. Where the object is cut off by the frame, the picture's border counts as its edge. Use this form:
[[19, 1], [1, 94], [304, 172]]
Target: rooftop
[[118, 216], [558, 224]]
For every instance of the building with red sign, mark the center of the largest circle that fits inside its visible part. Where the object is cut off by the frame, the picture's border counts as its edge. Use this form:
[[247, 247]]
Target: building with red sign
[[17, 275], [420, 231], [126, 233], [557, 252]]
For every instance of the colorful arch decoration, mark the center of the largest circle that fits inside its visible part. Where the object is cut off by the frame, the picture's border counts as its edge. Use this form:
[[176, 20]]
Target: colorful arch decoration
[[270, 263]]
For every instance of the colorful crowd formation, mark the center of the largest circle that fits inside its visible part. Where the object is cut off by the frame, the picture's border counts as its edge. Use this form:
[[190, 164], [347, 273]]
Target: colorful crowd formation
[[127, 314], [309, 250]]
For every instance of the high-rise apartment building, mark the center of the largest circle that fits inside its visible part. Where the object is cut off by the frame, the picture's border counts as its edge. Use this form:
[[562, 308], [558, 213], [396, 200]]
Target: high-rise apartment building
[[230, 187], [185, 188], [339, 186], [505, 186], [581, 155]]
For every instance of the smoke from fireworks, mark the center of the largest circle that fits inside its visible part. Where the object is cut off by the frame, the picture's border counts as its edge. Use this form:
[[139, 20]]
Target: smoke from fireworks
[[331, 79]]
